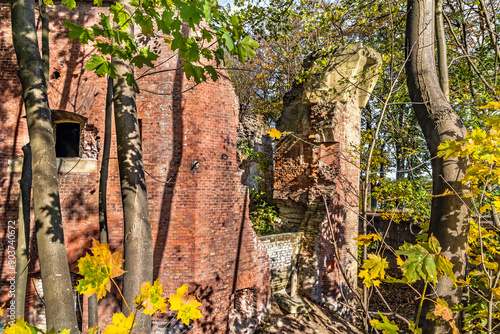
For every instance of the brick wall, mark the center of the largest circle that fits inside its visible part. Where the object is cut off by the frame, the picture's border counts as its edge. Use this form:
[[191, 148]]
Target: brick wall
[[316, 176], [282, 249], [199, 216]]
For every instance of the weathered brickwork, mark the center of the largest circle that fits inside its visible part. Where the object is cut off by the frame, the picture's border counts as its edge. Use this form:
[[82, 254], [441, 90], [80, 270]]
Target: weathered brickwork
[[198, 206], [282, 249], [316, 177]]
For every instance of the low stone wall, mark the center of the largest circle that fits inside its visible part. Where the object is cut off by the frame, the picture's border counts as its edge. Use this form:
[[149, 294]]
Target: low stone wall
[[282, 249]]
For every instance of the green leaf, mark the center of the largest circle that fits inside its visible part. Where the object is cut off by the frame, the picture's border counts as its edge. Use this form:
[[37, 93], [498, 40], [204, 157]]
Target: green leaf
[[48, 2], [145, 23], [131, 80], [120, 15], [207, 10], [76, 31], [69, 3], [145, 57], [386, 326], [168, 22], [424, 261], [444, 265], [228, 41], [211, 70], [101, 66], [194, 71], [98, 3], [189, 12], [246, 49]]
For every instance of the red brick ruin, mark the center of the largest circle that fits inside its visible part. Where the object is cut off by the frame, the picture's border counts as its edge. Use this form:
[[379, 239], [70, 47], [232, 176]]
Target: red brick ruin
[[198, 204]]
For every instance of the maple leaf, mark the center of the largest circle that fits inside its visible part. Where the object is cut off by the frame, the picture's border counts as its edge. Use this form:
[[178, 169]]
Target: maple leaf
[[496, 293], [95, 277], [175, 301], [386, 326], [491, 105], [19, 327], [150, 298], [373, 270], [274, 133], [185, 305], [367, 239], [189, 312], [93, 330], [442, 311], [97, 270], [121, 324]]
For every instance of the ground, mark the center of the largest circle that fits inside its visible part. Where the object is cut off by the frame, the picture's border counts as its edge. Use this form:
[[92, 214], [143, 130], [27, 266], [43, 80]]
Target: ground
[[400, 297], [319, 321]]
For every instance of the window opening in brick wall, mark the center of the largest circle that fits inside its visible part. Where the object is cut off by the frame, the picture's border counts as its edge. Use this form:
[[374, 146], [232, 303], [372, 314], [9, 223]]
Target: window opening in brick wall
[[67, 140], [68, 129]]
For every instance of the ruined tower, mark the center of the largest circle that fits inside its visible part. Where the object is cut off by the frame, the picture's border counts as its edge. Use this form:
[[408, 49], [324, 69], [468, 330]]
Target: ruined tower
[[316, 176]]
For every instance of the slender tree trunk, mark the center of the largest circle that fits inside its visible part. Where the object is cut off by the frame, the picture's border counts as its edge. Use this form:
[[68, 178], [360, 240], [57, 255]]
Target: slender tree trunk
[[58, 293], [103, 183], [442, 54], [138, 240], [23, 240], [45, 40], [439, 122]]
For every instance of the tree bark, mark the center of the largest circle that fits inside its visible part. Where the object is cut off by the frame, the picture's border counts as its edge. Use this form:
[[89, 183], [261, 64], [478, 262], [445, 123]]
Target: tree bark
[[23, 240], [442, 54], [138, 240], [439, 122], [45, 40], [103, 183], [58, 292]]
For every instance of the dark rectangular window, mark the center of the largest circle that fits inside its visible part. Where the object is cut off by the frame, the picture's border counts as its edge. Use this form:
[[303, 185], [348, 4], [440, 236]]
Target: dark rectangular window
[[67, 140]]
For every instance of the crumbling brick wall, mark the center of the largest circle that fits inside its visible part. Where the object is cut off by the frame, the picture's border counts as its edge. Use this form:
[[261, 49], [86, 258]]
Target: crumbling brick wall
[[316, 177], [198, 206]]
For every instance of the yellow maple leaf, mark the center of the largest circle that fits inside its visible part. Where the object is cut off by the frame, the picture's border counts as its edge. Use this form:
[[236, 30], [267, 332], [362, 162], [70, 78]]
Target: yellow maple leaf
[[367, 239], [19, 327], [491, 105], [189, 312], [185, 305], [121, 324], [93, 330], [63, 331], [373, 270], [105, 258], [274, 133], [496, 293], [150, 298], [98, 270], [2, 309], [441, 310], [175, 301]]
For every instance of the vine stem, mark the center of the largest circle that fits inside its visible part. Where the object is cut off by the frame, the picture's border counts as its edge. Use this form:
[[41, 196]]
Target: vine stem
[[120, 291], [420, 305]]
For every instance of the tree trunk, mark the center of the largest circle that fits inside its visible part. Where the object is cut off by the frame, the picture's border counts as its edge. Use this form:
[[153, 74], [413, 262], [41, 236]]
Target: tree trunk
[[45, 40], [103, 183], [138, 240], [58, 293], [442, 54], [439, 122], [23, 240]]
